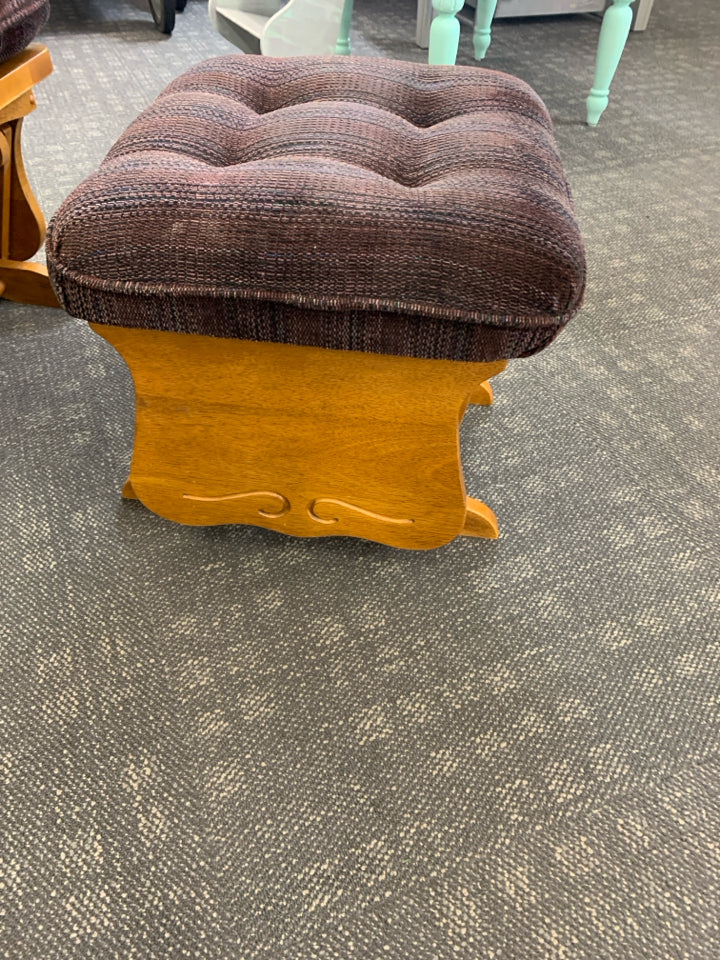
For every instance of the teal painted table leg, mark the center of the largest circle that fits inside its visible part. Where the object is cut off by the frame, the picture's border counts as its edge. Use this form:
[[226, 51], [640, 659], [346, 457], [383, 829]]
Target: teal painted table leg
[[484, 13], [342, 46], [613, 35], [444, 32]]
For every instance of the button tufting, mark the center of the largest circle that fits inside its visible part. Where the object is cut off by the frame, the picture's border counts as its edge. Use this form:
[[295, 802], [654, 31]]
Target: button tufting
[[348, 185]]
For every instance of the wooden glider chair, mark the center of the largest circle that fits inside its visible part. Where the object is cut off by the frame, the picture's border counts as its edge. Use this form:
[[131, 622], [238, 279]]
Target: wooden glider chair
[[22, 225], [312, 266]]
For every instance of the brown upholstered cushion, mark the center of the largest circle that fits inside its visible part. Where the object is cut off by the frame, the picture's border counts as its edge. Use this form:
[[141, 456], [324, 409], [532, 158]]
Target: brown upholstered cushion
[[20, 20], [352, 203]]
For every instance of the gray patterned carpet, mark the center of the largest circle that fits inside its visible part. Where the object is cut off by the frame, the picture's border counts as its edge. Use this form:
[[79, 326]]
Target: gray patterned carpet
[[221, 743]]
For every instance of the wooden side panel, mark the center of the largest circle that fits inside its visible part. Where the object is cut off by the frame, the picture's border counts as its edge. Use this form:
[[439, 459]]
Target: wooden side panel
[[302, 440]]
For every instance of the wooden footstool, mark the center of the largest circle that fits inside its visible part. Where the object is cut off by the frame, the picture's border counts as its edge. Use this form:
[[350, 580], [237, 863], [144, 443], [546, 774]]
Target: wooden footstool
[[312, 266]]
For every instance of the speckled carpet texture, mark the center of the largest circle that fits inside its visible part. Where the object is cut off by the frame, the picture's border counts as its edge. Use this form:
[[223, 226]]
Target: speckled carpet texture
[[221, 743]]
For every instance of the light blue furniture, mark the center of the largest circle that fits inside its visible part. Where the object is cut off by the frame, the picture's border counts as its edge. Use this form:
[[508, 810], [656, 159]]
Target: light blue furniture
[[613, 35], [445, 34], [292, 27]]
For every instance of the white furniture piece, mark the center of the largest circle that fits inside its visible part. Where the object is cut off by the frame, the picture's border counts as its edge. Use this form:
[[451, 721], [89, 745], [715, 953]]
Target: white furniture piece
[[642, 14], [279, 29]]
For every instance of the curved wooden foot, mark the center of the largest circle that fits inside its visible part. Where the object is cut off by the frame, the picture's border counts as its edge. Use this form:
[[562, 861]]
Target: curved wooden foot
[[480, 521], [483, 396], [26, 283], [128, 492]]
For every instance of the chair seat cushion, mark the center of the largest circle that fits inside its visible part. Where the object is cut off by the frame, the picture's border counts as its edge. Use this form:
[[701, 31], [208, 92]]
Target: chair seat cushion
[[20, 20], [352, 203]]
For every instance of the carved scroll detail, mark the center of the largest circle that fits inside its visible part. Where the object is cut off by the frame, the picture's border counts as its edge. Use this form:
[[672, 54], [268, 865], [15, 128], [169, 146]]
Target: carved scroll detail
[[281, 503], [331, 502]]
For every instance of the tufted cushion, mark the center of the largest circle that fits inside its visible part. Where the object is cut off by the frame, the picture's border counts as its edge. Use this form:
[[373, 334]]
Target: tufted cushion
[[353, 203], [20, 20]]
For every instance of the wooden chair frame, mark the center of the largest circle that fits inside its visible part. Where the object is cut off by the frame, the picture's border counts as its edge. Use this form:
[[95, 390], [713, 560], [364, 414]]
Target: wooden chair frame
[[22, 225], [303, 440]]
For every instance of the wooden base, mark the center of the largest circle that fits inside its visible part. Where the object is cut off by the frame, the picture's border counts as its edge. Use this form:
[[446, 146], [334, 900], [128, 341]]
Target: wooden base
[[22, 226], [26, 283], [302, 440]]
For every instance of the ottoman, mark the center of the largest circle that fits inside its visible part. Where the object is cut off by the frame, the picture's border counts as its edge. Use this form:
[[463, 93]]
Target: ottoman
[[312, 266]]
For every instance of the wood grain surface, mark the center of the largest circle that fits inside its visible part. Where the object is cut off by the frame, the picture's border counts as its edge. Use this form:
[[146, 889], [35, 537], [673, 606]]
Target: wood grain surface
[[303, 440], [22, 225]]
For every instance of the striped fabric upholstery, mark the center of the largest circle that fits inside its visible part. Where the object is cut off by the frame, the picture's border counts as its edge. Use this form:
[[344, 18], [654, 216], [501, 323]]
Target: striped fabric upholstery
[[351, 203], [20, 21]]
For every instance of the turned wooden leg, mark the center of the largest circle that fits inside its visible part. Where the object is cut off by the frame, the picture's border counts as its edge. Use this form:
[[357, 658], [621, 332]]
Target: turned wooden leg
[[343, 44], [484, 13], [613, 36], [22, 225], [444, 32], [302, 440]]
